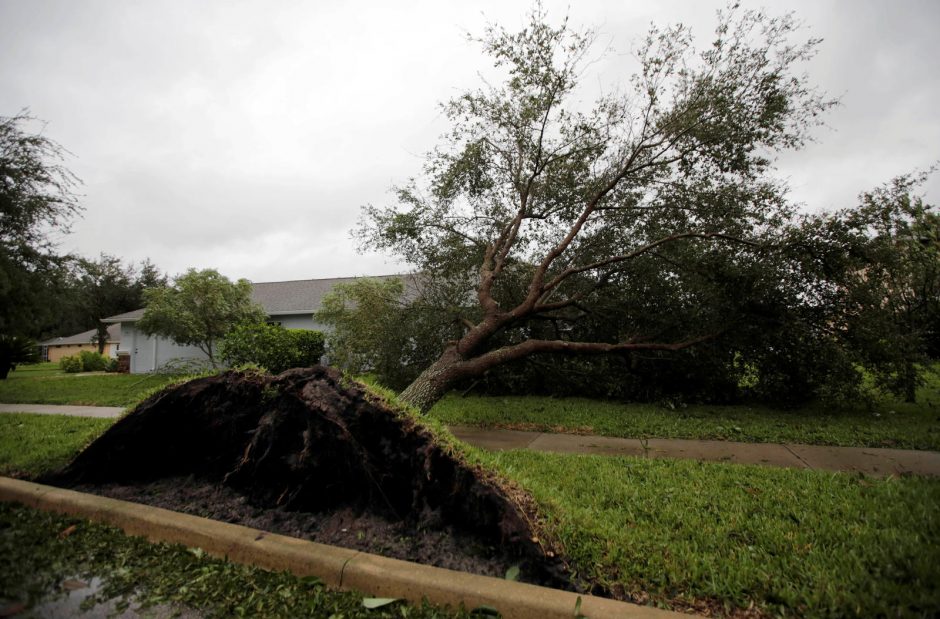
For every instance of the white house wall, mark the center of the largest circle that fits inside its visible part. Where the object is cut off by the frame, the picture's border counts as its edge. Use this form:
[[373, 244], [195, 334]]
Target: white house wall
[[149, 353], [297, 321]]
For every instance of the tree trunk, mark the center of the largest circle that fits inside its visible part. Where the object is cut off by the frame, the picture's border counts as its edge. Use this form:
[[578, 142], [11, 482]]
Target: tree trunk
[[431, 385], [910, 382], [102, 337]]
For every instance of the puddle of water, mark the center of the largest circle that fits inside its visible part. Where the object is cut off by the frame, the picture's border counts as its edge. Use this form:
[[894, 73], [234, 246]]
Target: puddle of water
[[67, 601]]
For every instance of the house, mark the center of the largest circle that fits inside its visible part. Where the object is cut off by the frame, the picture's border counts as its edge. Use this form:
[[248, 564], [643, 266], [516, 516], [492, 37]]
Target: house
[[290, 304], [55, 348]]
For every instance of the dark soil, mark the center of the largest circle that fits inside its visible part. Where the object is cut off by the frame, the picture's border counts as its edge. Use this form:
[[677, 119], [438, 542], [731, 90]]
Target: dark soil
[[346, 527], [306, 454]]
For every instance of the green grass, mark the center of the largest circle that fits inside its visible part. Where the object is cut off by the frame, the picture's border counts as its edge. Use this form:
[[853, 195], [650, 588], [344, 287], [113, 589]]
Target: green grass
[[38, 551], [706, 535], [888, 423], [33, 370], [689, 534], [44, 383], [34, 444]]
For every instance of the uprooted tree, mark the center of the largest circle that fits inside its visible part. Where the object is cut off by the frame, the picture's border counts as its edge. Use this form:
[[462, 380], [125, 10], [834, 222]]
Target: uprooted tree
[[310, 440], [537, 207]]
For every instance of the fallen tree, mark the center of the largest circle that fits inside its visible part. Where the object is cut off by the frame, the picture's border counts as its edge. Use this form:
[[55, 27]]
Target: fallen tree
[[538, 208], [309, 440]]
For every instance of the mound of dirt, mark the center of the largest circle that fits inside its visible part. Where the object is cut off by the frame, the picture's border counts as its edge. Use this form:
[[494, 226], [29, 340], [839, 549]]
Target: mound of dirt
[[309, 441]]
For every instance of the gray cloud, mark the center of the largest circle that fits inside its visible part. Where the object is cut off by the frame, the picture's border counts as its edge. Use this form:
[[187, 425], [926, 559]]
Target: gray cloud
[[245, 136]]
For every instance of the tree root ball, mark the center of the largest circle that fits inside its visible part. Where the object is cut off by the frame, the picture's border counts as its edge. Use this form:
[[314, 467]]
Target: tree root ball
[[310, 440]]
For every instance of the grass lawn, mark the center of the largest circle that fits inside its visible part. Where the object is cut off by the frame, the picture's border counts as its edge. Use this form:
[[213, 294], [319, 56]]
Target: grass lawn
[[889, 423], [44, 383], [709, 536], [42, 553], [723, 537], [34, 444]]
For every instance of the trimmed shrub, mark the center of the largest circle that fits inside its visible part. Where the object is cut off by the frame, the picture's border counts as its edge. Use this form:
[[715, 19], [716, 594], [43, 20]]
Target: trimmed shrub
[[71, 364], [92, 361], [272, 347], [310, 346]]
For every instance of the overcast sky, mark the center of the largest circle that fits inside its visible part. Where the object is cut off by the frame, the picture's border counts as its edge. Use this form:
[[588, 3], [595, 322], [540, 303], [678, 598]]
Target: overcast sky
[[245, 136]]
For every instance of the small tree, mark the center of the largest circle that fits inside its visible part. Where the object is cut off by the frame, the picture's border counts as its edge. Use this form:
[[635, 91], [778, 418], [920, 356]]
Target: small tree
[[376, 327], [199, 309], [893, 298]]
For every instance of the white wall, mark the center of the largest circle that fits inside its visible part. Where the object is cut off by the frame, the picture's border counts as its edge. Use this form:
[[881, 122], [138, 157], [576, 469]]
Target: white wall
[[297, 321], [149, 353]]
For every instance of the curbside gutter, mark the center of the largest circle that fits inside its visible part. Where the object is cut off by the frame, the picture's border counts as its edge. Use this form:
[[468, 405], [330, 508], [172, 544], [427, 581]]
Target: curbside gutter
[[337, 567]]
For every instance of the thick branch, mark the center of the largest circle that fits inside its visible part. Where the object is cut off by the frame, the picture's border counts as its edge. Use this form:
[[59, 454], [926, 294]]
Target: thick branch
[[530, 347]]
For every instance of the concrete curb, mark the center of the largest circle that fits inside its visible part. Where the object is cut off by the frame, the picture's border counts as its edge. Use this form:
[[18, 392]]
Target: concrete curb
[[337, 567]]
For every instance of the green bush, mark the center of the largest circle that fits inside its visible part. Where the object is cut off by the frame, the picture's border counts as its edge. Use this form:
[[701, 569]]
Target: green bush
[[310, 346], [272, 347], [86, 361], [71, 364], [92, 361]]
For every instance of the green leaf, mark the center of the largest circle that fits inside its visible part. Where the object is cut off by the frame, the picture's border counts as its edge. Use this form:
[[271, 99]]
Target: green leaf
[[513, 573], [372, 603], [577, 609]]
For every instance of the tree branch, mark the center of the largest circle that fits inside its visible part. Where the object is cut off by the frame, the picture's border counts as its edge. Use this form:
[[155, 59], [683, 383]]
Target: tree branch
[[530, 347]]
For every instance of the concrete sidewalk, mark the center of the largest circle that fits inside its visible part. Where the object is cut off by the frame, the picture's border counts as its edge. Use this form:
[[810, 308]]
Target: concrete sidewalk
[[872, 461], [869, 460], [56, 409]]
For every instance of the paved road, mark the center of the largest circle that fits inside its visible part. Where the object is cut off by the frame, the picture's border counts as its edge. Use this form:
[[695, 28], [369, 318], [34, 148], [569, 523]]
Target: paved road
[[869, 460]]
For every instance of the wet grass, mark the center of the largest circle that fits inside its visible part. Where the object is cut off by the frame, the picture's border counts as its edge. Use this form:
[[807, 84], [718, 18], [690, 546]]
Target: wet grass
[[886, 423], [44, 383], [684, 534], [34, 444], [42, 555], [726, 538]]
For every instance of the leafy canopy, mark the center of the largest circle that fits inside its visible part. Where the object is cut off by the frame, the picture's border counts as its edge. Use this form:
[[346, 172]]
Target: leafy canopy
[[37, 200], [199, 309]]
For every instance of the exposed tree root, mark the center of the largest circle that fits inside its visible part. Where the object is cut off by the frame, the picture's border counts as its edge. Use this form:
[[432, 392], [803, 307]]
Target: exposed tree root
[[306, 440]]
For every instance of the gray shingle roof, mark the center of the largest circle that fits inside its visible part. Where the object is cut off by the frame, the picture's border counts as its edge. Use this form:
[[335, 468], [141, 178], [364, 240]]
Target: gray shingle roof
[[279, 298], [304, 295], [114, 335]]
